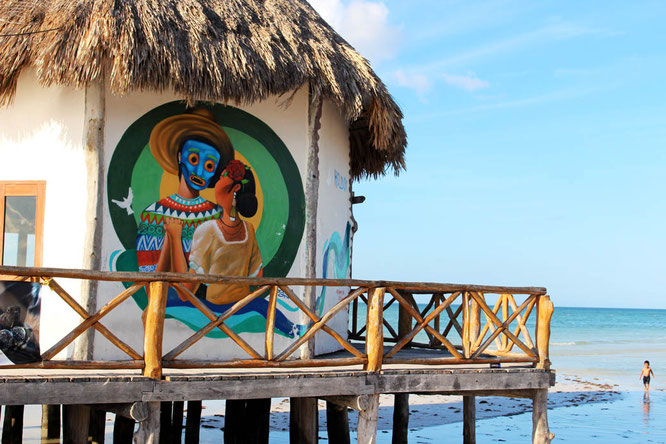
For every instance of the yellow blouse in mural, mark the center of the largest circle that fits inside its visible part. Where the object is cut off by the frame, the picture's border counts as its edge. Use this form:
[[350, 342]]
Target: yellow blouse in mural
[[211, 253]]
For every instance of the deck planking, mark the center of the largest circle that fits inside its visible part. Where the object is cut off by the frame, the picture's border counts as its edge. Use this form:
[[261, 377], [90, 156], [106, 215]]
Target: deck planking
[[69, 386]]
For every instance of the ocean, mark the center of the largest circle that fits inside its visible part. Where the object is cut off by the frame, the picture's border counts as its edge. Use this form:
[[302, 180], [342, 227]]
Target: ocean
[[603, 345], [600, 345]]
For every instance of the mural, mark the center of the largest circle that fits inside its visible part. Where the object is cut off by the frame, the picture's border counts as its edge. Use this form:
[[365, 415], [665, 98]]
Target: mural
[[208, 190], [335, 263], [19, 321]]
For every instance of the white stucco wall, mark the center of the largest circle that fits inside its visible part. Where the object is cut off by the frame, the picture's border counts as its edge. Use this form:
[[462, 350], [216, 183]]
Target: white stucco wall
[[41, 138], [333, 214]]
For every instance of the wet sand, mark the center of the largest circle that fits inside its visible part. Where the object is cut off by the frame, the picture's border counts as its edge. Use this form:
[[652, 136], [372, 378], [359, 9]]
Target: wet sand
[[434, 410]]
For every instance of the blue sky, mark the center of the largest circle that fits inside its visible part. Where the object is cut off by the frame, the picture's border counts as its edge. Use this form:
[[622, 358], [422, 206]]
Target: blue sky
[[536, 145]]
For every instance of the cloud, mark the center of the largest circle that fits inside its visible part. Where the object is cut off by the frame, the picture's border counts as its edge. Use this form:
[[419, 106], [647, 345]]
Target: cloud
[[417, 82], [534, 37], [364, 24], [469, 82], [566, 94]]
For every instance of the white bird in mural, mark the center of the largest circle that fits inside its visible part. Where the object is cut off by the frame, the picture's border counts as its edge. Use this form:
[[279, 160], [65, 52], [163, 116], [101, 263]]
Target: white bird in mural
[[126, 203]]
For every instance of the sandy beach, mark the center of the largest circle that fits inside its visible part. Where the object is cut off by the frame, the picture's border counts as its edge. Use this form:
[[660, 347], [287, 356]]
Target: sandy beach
[[434, 410]]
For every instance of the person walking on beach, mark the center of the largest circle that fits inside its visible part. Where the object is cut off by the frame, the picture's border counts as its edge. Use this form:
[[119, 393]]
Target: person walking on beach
[[646, 371]]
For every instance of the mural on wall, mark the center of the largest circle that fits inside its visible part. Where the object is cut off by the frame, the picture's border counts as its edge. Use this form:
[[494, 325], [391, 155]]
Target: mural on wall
[[19, 321], [209, 190], [335, 264]]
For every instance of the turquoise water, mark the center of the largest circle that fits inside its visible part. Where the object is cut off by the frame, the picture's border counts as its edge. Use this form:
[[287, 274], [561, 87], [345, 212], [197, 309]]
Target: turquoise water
[[602, 345]]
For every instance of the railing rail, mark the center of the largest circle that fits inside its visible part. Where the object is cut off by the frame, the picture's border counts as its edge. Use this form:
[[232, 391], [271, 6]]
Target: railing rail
[[496, 340]]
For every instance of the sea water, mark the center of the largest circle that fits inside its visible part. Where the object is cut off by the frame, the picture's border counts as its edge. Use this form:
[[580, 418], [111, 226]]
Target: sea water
[[601, 345]]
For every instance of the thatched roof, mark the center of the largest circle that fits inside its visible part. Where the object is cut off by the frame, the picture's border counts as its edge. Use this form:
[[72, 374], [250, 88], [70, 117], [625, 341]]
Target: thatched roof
[[231, 51]]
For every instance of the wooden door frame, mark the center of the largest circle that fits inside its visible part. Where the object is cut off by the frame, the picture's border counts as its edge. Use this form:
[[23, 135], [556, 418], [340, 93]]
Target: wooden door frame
[[35, 188]]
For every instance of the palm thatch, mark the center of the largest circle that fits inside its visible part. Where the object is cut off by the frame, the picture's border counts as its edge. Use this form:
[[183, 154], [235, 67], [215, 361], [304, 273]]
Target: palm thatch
[[230, 51]]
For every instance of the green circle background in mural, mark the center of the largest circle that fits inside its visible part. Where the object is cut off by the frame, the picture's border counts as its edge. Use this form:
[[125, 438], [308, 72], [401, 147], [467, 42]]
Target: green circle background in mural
[[134, 172]]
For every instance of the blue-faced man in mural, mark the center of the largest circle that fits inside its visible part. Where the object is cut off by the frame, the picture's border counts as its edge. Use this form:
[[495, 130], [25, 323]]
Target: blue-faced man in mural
[[195, 147]]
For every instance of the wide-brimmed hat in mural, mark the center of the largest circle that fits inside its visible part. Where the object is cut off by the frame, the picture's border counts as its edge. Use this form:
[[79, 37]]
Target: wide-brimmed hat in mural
[[168, 136]]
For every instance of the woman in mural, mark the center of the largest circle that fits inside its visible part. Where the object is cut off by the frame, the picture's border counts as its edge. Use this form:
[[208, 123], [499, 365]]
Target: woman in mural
[[226, 246], [197, 149]]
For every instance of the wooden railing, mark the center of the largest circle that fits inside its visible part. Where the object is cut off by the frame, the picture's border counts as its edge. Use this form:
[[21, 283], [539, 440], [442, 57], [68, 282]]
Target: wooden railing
[[464, 323], [501, 326]]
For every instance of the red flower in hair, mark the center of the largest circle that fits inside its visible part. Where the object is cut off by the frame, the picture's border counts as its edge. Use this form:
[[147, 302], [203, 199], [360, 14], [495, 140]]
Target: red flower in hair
[[236, 170]]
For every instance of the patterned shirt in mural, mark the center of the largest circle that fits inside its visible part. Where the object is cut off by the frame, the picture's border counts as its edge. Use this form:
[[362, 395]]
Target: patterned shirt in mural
[[150, 235]]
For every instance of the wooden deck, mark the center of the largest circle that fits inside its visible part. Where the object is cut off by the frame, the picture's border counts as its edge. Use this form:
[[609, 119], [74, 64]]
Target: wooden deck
[[68, 386], [447, 347]]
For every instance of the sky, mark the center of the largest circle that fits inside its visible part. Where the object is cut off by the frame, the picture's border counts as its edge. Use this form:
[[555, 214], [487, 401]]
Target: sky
[[536, 145]]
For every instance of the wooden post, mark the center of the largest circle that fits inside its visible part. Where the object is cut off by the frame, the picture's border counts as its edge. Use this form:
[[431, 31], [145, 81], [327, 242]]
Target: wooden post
[[123, 430], [544, 314], [309, 424], [438, 299], [247, 421], [177, 422], [76, 423], [337, 423], [303, 421], [154, 330], [193, 422], [467, 352], [96, 427], [540, 432], [474, 323], [311, 203], [50, 424], [149, 429], [374, 342], [366, 433], [469, 419], [401, 400], [93, 143], [12, 426], [166, 412], [270, 323], [505, 316]]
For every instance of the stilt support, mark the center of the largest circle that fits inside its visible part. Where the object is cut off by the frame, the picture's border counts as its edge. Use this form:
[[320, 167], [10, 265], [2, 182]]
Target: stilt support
[[247, 421], [400, 418], [149, 429], [50, 424], [469, 419], [123, 430], [76, 422], [303, 421], [96, 426], [12, 427], [540, 432], [193, 422], [177, 422], [367, 422], [337, 423]]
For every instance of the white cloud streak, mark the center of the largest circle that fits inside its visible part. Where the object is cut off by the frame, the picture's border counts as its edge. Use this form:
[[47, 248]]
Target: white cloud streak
[[469, 82], [416, 82], [553, 32], [364, 24]]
